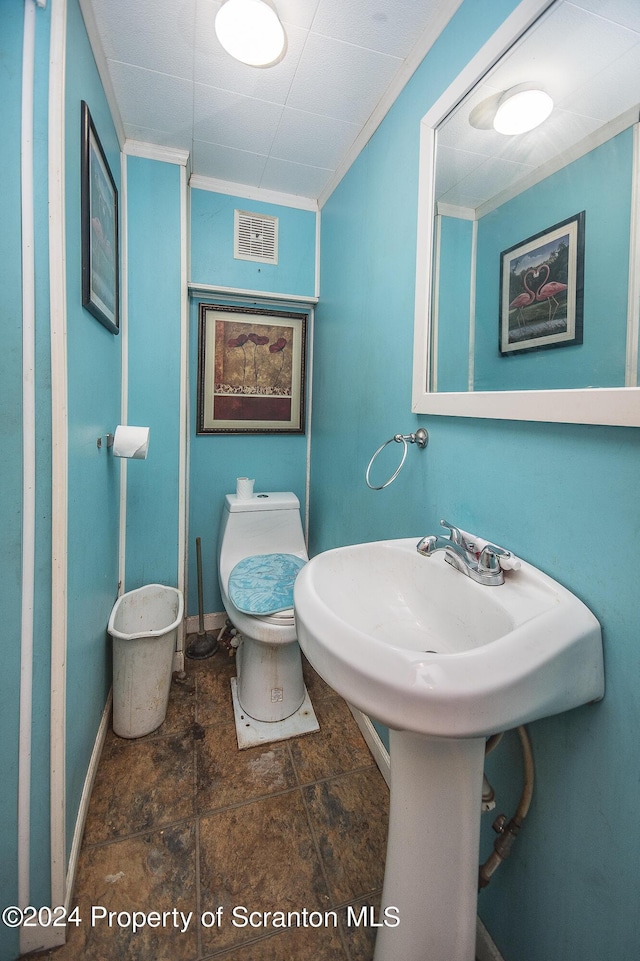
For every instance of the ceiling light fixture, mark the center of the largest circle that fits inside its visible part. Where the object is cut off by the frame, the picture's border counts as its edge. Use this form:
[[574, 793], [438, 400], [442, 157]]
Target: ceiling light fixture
[[521, 109], [250, 30]]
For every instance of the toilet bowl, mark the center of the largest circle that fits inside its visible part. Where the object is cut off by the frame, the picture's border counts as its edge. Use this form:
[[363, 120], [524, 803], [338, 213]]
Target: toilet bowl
[[270, 686]]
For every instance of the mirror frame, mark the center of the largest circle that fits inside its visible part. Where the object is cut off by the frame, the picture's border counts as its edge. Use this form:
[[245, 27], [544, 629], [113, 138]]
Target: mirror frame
[[614, 406]]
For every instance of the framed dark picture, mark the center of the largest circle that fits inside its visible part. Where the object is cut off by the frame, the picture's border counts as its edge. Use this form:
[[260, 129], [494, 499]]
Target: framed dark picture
[[541, 289], [100, 253], [251, 371]]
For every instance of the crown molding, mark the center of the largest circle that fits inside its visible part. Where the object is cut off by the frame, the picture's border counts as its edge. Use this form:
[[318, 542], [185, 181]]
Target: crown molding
[[246, 192], [152, 151]]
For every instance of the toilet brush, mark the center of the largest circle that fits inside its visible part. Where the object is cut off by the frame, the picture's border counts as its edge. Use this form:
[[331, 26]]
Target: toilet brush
[[200, 645]]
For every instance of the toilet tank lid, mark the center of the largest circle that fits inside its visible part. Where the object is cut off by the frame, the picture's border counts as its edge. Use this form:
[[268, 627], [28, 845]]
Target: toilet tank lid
[[272, 501]]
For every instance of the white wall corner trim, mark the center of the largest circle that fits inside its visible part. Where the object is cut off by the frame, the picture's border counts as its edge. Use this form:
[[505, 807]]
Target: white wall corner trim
[[198, 182], [59, 448], [435, 309], [28, 457], [124, 366], [472, 307], [318, 249], [633, 299], [183, 441]]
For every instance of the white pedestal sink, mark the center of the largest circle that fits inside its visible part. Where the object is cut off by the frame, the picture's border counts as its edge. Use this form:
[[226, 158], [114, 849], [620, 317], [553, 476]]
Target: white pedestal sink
[[444, 662]]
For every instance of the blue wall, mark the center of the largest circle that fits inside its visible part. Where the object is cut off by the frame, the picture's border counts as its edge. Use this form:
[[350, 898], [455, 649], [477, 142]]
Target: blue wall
[[94, 370], [212, 260], [11, 21], [155, 297], [277, 462], [549, 492]]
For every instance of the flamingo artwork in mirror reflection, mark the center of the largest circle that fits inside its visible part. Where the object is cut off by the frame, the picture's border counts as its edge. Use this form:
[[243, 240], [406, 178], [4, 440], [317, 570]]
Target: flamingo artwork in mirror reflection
[[524, 299], [548, 290]]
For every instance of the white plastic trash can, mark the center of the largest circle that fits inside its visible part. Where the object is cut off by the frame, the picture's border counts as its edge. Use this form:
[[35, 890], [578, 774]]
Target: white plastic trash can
[[144, 627]]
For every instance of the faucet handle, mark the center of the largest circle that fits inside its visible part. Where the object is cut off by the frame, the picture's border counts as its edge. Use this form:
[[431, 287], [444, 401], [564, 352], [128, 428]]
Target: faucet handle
[[493, 558], [454, 533]]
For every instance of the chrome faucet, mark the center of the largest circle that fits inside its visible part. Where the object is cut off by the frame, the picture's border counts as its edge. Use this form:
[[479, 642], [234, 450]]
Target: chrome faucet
[[482, 566]]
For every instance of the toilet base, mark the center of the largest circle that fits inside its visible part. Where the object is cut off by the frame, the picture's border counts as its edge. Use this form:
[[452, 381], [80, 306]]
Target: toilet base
[[270, 682], [251, 733]]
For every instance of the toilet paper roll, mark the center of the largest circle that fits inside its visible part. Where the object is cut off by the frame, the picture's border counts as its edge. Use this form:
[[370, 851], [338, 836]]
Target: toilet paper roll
[[131, 442], [244, 488]]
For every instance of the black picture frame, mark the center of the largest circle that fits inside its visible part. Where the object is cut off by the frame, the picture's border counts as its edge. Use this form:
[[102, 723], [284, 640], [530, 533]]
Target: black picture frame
[[251, 370], [99, 229], [542, 289]]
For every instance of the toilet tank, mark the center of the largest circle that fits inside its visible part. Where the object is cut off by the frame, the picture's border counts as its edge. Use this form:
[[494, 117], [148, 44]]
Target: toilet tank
[[263, 524]]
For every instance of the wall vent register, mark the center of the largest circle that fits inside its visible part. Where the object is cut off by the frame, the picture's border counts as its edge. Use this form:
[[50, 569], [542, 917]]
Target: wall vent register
[[255, 237]]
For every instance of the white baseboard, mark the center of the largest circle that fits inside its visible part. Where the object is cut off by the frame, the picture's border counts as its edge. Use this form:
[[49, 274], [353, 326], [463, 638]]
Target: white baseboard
[[485, 947], [78, 832], [374, 743], [41, 938]]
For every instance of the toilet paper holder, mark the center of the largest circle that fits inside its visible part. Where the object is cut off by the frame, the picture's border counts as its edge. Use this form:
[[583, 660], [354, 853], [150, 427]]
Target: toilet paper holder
[[127, 441]]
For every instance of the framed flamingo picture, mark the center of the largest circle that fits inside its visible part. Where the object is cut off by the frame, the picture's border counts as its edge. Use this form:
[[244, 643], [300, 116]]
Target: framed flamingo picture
[[99, 213], [541, 289], [251, 371]]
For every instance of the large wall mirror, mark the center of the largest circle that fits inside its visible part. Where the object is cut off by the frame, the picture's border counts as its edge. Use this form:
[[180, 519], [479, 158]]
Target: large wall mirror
[[528, 265]]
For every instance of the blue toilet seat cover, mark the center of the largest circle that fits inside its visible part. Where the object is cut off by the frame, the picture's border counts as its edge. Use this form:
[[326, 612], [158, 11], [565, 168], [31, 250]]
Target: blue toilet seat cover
[[263, 583]]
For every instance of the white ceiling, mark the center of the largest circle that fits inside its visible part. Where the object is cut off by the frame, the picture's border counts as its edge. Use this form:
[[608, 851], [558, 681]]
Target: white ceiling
[[586, 54], [288, 128]]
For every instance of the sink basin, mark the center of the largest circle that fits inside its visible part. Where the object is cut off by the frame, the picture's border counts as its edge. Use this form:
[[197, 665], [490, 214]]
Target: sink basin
[[444, 662], [421, 647]]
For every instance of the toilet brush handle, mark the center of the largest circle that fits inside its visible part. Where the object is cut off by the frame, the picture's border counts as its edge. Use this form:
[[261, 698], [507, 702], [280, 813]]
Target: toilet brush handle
[[200, 603]]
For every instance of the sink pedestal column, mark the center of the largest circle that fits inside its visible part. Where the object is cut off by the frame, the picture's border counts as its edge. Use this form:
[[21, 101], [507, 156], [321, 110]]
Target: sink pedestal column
[[431, 873]]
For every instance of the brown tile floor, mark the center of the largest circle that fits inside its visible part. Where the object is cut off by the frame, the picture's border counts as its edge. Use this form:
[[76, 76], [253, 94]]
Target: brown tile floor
[[181, 821]]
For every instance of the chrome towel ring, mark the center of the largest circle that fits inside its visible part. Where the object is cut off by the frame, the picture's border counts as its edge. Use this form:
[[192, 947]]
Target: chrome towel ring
[[421, 438]]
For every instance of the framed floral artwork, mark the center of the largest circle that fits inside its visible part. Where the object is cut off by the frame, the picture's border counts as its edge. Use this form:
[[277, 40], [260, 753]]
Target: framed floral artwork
[[251, 371]]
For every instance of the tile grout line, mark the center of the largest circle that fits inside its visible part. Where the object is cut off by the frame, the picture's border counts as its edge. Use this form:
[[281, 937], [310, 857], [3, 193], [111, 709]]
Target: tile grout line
[[197, 836], [316, 845]]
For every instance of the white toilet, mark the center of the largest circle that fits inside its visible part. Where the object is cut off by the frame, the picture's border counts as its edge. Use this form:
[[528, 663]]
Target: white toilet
[[270, 686]]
